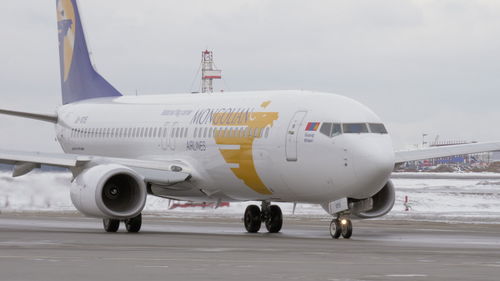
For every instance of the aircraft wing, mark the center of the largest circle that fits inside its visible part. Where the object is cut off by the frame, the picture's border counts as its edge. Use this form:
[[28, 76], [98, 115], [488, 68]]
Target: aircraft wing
[[445, 151], [160, 172]]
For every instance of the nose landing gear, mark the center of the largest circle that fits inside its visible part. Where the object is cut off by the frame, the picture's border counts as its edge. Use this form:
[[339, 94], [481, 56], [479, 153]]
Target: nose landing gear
[[271, 215], [341, 226]]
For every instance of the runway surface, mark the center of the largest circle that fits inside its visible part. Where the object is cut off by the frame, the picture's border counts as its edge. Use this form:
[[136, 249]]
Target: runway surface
[[69, 247]]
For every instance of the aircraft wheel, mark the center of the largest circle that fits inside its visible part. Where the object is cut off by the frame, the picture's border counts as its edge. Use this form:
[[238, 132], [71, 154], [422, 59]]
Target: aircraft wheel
[[335, 229], [274, 220], [111, 225], [346, 226], [252, 219], [134, 224]]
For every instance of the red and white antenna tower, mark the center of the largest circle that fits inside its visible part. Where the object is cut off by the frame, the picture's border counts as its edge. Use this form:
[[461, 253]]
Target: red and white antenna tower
[[208, 72]]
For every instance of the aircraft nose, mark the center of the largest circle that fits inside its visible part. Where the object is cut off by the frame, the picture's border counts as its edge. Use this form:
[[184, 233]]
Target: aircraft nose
[[373, 165]]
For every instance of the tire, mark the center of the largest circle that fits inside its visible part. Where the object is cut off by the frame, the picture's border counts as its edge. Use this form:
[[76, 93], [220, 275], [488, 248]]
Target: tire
[[274, 221], [335, 229], [110, 225], [133, 225], [347, 229], [252, 219]]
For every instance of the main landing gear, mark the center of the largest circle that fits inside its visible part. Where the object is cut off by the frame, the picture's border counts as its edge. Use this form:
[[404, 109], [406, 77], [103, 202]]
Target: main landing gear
[[133, 225], [341, 226], [271, 215]]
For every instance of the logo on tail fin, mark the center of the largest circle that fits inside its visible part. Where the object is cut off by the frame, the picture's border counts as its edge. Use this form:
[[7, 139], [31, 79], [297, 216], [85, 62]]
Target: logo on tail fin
[[66, 27]]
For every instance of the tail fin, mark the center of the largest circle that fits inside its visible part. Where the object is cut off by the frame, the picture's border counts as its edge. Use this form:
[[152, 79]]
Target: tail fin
[[79, 80]]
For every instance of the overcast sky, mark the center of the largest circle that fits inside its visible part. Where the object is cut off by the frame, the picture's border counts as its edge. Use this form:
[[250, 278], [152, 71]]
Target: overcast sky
[[423, 66]]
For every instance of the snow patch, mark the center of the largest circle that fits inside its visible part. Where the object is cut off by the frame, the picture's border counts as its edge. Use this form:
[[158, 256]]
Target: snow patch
[[449, 200]]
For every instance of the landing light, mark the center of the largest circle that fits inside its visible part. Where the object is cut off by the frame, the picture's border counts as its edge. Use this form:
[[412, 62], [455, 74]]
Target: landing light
[[343, 221]]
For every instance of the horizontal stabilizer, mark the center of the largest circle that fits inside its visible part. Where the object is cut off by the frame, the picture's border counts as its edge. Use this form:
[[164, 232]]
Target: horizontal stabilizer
[[31, 115]]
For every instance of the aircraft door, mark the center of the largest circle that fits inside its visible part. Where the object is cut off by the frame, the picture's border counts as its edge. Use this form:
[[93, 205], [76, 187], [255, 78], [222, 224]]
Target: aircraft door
[[292, 135]]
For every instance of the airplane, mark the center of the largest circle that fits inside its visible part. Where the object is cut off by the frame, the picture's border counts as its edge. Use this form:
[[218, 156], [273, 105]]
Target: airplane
[[267, 146]]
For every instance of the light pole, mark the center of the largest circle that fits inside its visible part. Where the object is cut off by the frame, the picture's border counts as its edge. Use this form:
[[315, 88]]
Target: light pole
[[423, 139]]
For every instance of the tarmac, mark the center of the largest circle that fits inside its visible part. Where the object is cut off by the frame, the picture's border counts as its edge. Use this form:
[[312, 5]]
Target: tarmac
[[58, 246]]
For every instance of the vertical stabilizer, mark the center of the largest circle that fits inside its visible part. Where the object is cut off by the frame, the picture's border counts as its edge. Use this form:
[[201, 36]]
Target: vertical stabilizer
[[79, 80]]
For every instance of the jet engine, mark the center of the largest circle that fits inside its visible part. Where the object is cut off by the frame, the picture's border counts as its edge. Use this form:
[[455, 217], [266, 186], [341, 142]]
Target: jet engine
[[109, 191], [382, 203]]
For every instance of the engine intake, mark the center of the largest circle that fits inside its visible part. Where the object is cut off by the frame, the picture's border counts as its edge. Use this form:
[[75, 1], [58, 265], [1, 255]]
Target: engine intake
[[109, 191], [382, 202]]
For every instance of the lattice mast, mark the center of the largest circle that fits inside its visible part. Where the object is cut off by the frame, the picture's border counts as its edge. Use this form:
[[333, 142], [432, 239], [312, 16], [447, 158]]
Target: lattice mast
[[208, 72]]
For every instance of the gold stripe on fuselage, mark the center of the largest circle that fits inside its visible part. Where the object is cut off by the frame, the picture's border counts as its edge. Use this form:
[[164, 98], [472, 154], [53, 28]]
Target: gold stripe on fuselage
[[248, 129]]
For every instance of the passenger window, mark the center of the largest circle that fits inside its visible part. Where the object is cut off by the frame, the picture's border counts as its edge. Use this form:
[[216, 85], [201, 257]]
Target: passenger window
[[258, 132], [210, 132], [186, 132], [266, 134], [205, 132], [377, 128], [355, 128]]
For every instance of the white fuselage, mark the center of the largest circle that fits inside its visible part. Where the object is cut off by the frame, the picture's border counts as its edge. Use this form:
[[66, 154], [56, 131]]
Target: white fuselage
[[238, 146]]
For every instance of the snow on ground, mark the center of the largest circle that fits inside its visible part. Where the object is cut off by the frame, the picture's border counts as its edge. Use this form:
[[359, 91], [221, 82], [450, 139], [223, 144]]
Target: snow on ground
[[450, 200]]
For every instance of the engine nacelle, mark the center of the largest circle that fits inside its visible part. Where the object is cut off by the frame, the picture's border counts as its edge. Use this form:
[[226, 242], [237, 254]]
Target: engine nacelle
[[382, 203], [109, 191]]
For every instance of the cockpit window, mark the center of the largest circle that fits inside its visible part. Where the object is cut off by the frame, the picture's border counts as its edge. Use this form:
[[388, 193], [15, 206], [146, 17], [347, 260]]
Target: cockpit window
[[326, 129], [330, 129], [355, 128], [377, 128], [336, 129]]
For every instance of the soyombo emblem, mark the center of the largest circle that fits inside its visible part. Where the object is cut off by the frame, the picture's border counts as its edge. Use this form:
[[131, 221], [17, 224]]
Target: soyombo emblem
[[66, 27]]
